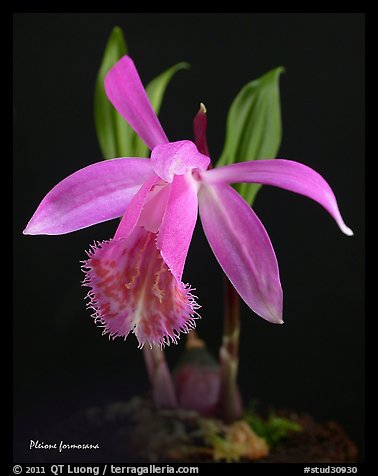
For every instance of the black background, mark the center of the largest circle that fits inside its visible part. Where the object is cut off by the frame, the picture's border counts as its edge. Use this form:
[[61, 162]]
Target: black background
[[315, 361]]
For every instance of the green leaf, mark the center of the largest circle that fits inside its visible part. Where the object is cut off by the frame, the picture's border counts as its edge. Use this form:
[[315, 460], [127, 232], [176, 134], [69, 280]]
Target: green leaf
[[155, 91], [254, 126], [115, 136]]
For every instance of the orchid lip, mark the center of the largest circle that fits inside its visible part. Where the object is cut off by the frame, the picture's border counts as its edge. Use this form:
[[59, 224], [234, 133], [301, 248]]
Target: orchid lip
[[132, 290]]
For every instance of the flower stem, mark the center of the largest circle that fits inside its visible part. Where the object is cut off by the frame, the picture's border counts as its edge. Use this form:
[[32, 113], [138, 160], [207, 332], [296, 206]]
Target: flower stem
[[230, 404], [163, 390]]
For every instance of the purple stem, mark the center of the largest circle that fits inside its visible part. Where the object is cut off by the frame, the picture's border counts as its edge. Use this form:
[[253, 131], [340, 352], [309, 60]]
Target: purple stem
[[163, 390], [230, 404]]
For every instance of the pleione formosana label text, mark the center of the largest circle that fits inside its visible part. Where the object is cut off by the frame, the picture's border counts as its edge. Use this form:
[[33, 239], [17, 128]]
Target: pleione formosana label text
[[62, 446]]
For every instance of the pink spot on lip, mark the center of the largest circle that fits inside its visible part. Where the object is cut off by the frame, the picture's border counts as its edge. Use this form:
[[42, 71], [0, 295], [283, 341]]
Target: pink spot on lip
[[132, 290]]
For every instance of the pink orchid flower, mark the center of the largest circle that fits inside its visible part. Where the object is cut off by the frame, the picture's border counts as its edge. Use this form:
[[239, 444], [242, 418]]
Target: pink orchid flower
[[135, 278]]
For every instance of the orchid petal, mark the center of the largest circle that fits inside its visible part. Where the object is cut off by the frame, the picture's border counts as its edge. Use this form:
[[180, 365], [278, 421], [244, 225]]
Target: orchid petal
[[134, 210], [178, 223], [177, 158], [155, 206], [125, 91], [242, 248], [94, 194], [285, 174]]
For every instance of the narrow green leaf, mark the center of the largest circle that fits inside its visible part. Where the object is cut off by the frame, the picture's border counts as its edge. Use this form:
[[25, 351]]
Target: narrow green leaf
[[115, 136], [155, 91], [254, 126]]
